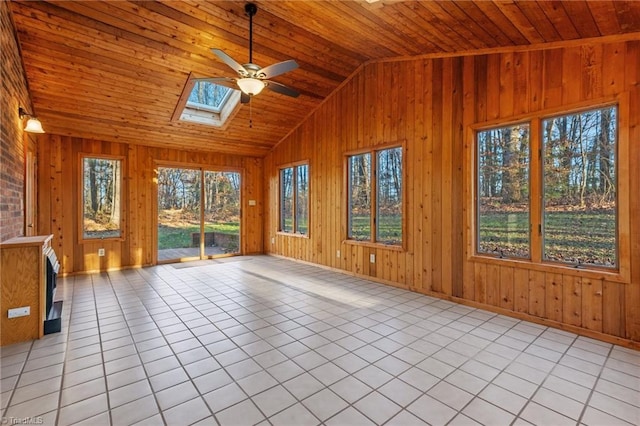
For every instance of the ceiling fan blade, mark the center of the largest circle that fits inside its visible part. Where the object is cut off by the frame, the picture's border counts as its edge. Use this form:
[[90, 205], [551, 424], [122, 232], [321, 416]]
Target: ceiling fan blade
[[230, 61], [279, 68], [222, 81], [281, 88], [244, 98]]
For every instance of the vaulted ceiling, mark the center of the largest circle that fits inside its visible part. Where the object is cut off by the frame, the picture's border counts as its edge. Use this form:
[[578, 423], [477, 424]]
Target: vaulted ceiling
[[114, 70]]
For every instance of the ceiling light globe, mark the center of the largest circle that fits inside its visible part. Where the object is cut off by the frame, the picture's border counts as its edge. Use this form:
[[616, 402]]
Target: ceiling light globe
[[251, 86]]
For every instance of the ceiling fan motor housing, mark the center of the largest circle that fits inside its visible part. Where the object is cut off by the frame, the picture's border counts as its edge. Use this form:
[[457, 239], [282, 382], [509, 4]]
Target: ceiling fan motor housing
[[250, 9]]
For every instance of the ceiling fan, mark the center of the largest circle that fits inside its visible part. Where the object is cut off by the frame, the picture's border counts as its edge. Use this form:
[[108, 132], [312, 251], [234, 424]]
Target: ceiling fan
[[251, 77]]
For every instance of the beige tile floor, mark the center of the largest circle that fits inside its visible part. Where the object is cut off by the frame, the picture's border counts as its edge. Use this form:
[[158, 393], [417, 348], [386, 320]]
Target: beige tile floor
[[262, 340]]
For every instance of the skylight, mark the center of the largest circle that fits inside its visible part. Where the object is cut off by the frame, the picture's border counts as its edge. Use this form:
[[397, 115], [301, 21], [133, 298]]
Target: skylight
[[209, 103], [208, 96]]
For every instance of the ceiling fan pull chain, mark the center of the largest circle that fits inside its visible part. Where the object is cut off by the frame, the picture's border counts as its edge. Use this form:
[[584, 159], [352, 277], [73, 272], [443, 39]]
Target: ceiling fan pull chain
[[250, 113]]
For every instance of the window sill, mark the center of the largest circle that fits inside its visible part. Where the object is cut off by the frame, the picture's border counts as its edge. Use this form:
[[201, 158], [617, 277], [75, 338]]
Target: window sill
[[100, 240], [374, 245], [555, 268], [292, 234]]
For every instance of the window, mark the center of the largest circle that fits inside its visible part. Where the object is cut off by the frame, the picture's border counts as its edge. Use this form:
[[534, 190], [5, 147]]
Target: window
[[575, 220], [294, 199], [101, 198], [207, 103], [379, 184], [579, 216], [503, 191]]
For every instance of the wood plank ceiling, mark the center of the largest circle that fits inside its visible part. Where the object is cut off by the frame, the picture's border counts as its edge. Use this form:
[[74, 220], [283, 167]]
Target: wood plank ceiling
[[114, 70]]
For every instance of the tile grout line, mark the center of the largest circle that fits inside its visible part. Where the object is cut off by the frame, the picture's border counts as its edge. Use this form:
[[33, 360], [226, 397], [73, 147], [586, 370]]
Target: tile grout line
[[104, 369], [235, 381], [593, 389], [538, 387], [115, 293], [15, 386], [191, 380], [64, 362]]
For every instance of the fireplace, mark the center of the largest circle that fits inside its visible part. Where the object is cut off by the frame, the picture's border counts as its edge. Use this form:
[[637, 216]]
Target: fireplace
[[53, 309]]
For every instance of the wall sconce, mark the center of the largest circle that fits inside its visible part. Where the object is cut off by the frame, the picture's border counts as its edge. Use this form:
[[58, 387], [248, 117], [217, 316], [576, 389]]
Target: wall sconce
[[33, 124]]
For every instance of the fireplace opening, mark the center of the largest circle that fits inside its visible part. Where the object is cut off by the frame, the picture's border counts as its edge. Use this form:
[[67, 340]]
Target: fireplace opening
[[53, 308]]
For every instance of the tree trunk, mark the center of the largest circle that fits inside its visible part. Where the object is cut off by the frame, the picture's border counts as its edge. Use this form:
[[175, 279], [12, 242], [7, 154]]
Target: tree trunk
[[116, 194], [510, 181], [93, 187]]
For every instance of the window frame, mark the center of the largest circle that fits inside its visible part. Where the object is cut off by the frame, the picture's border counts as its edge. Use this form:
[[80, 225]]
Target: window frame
[[123, 199], [294, 201], [477, 190], [372, 242], [622, 271], [541, 148], [192, 113]]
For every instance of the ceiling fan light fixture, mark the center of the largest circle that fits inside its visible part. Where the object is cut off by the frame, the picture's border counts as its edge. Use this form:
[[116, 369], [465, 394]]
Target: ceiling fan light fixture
[[251, 86]]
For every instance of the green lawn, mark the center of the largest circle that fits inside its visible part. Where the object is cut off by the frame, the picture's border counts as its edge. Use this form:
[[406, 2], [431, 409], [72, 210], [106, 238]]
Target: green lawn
[[174, 237], [389, 228], [574, 237], [584, 237]]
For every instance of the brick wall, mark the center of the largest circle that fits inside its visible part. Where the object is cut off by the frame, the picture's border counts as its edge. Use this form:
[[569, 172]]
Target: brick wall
[[14, 94]]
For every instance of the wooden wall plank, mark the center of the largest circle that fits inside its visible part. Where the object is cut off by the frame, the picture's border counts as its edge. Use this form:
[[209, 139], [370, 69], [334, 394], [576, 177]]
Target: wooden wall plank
[[613, 319], [448, 210], [436, 176], [493, 285], [427, 139], [537, 297], [457, 182], [572, 300], [553, 296], [520, 290], [507, 288], [592, 304], [480, 280], [468, 109]]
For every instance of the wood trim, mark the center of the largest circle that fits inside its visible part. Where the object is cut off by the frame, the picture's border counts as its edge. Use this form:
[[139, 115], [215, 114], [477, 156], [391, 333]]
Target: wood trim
[[620, 274], [373, 150], [535, 188], [184, 97], [375, 245], [202, 168], [623, 166], [558, 268], [294, 165]]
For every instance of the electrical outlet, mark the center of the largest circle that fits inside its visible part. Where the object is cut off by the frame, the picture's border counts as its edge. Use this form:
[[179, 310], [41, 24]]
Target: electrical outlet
[[101, 252], [252, 202], [372, 258], [338, 254], [19, 312], [273, 240]]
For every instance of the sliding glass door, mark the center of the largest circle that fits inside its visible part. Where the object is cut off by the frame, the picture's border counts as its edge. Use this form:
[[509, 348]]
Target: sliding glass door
[[198, 213], [221, 212]]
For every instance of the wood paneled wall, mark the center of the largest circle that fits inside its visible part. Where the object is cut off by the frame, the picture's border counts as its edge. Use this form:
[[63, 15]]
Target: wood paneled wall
[[59, 188], [430, 104]]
